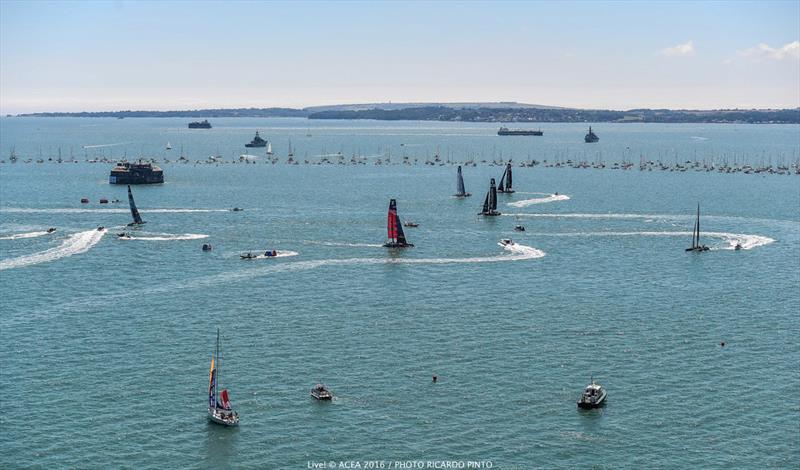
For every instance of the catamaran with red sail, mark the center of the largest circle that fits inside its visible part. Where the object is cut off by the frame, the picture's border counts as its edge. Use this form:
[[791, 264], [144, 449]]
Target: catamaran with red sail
[[397, 239], [220, 410]]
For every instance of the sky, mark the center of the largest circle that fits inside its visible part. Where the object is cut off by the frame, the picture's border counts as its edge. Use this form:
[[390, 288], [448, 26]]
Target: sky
[[161, 55]]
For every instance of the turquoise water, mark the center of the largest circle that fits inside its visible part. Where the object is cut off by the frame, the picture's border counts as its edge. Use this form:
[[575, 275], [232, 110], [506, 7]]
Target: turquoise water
[[106, 342]]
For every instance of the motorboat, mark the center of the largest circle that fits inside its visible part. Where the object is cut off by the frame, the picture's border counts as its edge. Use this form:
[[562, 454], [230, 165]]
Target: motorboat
[[738, 246], [206, 246], [519, 228], [100, 228], [51, 230], [594, 396], [84, 200], [506, 242], [248, 256], [271, 253], [103, 201], [237, 209], [123, 235], [320, 392], [411, 224]]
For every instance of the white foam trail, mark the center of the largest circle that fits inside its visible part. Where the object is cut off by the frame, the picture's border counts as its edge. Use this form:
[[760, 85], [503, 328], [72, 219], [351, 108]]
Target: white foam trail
[[747, 241], [81, 210], [539, 200], [164, 236], [75, 244], [281, 254], [356, 245], [24, 235]]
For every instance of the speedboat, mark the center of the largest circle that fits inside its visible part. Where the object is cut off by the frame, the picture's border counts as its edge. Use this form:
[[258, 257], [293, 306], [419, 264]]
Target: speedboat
[[738, 246], [320, 392], [237, 209], [409, 223], [506, 242], [100, 228], [519, 228], [51, 230], [594, 396], [248, 256], [271, 253], [103, 201], [84, 200], [206, 246], [123, 235]]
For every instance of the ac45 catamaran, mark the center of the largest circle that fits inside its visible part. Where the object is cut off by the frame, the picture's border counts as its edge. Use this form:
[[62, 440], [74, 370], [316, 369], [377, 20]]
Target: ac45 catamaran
[[490, 203], [696, 246], [397, 239], [219, 404], [505, 181], [460, 190], [137, 219]]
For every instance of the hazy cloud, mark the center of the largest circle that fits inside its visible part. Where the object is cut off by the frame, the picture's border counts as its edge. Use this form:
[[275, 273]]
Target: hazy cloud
[[764, 51], [680, 50]]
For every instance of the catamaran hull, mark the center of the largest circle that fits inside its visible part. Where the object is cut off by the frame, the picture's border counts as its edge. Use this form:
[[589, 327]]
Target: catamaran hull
[[462, 195], [398, 245], [490, 214], [219, 420]]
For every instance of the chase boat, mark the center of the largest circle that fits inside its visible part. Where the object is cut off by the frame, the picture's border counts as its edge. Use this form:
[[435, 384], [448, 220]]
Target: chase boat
[[594, 396], [320, 392]]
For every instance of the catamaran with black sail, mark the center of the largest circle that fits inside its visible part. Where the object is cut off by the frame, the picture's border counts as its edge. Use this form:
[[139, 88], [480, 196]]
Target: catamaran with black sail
[[460, 190], [397, 239], [220, 410], [696, 246], [137, 219], [490, 202], [505, 181]]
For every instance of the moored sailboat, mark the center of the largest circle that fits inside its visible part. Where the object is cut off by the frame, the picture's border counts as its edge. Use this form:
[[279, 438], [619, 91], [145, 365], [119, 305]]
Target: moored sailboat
[[696, 246], [397, 239], [490, 202], [505, 181], [220, 410], [460, 190], [137, 219]]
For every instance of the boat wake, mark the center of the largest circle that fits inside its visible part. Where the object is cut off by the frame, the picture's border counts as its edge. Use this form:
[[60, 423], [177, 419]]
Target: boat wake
[[746, 241], [75, 244], [281, 254], [354, 245], [24, 235], [539, 200], [81, 210], [164, 236]]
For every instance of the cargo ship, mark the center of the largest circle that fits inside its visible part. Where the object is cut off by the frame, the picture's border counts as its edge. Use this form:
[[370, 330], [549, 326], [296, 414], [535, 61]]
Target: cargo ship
[[204, 124], [507, 131], [136, 173]]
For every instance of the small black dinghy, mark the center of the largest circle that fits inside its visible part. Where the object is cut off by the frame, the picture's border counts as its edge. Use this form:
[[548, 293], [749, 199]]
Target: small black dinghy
[[396, 236]]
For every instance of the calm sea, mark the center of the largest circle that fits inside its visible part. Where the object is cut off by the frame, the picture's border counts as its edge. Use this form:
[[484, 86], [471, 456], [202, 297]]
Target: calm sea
[[106, 343]]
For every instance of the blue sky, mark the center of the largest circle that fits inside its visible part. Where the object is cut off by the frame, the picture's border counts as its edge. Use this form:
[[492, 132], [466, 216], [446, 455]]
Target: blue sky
[[94, 55]]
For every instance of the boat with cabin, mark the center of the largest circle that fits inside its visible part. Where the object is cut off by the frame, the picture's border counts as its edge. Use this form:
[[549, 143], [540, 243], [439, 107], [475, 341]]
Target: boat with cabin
[[593, 396], [220, 410], [321, 392], [460, 190], [505, 181], [696, 246], [490, 202], [396, 236], [590, 137], [136, 173], [256, 142]]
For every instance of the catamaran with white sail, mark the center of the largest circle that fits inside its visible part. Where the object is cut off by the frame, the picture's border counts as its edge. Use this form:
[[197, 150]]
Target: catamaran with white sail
[[220, 410], [397, 239], [460, 190]]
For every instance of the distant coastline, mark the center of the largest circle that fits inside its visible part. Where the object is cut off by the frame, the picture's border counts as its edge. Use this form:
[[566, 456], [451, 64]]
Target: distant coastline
[[503, 112]]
